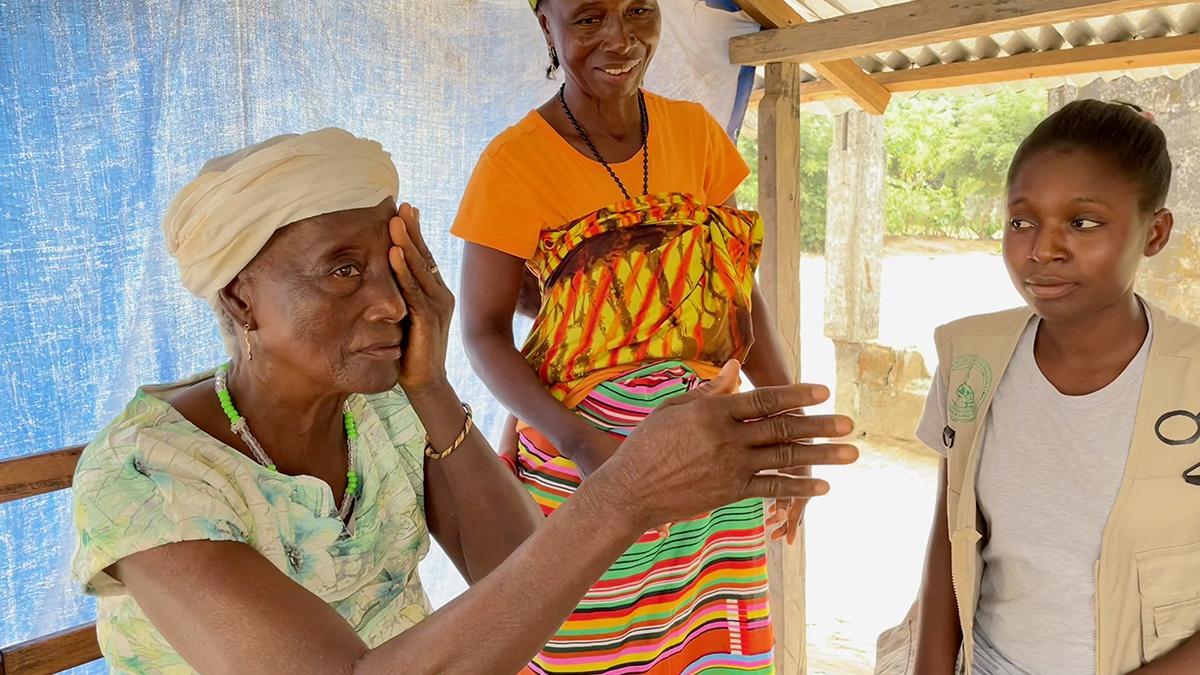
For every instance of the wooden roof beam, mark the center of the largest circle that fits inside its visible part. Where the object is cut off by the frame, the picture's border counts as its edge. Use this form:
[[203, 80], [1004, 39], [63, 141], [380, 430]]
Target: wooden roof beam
[[914, 24], [31, 475], [1129, 55], [771, 13], [53, 653], [844, 74]]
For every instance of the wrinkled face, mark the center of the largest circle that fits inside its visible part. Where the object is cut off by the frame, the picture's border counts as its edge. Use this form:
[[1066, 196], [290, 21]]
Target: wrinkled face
[[605, 46], [323, 303], [1077, 232]]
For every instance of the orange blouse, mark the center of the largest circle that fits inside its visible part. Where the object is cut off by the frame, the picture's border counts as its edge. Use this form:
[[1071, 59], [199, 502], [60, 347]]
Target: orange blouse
[[530, 179]]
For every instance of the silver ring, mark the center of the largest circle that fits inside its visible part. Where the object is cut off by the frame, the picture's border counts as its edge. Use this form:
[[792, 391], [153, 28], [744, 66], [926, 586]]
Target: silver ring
[[433, 269]]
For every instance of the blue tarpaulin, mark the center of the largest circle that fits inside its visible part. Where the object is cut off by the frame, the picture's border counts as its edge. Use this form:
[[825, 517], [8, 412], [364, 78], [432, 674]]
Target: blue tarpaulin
[[106, 108]]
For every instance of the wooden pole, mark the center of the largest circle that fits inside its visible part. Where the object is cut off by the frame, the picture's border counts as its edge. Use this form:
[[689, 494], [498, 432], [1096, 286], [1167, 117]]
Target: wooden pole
[[779, 279]]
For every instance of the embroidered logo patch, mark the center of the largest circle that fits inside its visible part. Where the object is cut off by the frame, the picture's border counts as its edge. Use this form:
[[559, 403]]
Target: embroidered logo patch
[[970, 383]]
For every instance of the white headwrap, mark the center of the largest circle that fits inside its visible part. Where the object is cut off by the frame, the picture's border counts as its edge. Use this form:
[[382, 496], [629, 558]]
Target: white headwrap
[[218, 222]]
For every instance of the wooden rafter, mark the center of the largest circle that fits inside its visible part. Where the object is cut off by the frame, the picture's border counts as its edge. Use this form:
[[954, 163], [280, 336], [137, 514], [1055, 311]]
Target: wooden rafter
[[1129, 55], [914, 24], [856, 84], [28, 476], [771, 13], [31, 475], [844, 74], [53, 653]]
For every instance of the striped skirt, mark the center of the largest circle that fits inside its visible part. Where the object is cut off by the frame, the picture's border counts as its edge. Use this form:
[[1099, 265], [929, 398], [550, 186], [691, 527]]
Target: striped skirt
[[694, 601]]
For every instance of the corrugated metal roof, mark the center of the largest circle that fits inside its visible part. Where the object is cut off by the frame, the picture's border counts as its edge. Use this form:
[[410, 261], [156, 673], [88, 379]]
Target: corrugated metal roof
[[1171, 20]]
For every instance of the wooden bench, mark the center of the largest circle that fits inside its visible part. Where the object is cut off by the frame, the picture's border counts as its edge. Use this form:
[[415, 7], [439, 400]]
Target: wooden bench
[[27, 477]]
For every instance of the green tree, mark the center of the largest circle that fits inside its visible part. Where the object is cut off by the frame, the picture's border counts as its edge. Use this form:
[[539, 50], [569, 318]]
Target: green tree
[[947, 159]]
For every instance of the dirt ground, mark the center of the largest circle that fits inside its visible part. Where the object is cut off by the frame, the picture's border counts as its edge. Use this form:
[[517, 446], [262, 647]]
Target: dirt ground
[[893, 246], [865, 542]]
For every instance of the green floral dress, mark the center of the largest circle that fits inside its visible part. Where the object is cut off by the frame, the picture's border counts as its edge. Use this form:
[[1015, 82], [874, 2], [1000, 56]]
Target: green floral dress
[[153, 478]]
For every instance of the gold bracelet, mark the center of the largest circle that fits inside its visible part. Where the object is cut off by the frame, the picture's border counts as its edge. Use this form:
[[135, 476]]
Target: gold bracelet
[[468, 425]]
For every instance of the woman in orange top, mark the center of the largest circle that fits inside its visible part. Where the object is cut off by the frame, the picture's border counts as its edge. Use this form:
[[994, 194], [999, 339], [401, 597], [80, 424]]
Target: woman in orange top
[[617, 201]]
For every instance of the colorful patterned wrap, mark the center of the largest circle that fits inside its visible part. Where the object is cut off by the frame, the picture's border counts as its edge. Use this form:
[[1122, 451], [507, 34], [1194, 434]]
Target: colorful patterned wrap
[[640, 302], [654, 278]]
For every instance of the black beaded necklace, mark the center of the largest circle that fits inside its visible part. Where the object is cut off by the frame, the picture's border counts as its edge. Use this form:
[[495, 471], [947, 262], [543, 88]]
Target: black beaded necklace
[[562, 98]]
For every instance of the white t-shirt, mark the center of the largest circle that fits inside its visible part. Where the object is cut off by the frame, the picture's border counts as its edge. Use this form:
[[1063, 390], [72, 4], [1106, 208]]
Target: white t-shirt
[[1050, 469]]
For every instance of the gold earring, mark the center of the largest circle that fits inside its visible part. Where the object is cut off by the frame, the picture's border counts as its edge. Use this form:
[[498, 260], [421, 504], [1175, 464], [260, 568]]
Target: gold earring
[[249, 354]]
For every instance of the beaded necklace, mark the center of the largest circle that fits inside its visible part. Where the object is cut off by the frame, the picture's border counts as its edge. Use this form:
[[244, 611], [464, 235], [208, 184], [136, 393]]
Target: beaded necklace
[[239, 426], [562, 98]]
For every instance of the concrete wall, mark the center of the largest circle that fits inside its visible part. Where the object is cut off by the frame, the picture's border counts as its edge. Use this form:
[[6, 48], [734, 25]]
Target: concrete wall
[[881, 387], [854, 228]]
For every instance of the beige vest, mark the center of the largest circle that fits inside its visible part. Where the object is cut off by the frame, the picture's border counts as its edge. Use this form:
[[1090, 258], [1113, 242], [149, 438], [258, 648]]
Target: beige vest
[[1148, 573]]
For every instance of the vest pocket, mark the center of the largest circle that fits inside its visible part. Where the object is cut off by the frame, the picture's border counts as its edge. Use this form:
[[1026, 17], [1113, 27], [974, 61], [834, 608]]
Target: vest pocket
[[1178, 621], [1169, 585]]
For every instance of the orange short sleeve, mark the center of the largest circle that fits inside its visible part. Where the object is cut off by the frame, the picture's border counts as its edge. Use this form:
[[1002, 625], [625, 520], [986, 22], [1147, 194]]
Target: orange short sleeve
[[724, 168], [497, 211]]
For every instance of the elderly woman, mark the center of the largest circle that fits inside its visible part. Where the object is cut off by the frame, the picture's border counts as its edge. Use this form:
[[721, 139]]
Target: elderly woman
[[269, 515], [620, 204]]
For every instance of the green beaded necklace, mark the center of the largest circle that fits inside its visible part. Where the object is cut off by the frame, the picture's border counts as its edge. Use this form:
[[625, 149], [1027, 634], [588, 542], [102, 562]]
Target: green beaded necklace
[[239, 426]]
